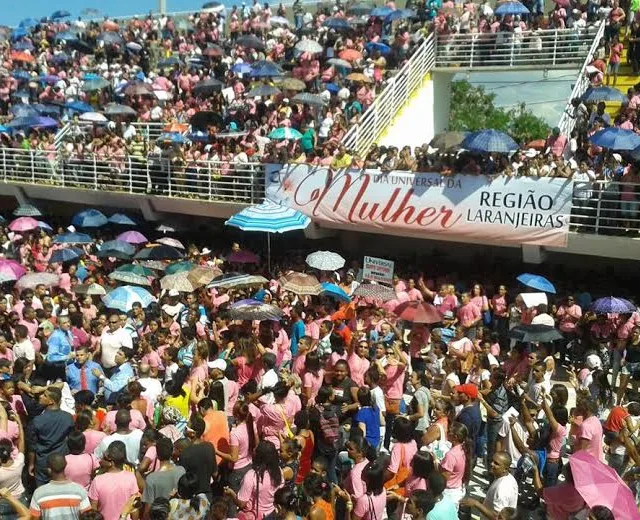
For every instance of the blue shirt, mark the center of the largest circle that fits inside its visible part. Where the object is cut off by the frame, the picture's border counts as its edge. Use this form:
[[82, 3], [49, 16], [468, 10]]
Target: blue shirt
[[370, 416], [444, 509], [59, 346], [73, 376], [297, 332], [121, 376]]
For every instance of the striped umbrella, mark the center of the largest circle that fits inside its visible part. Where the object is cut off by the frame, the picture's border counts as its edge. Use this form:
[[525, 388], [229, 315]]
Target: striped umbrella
[[130, 278], [300, 283], [269, 217], [27, 210], [123, 298]]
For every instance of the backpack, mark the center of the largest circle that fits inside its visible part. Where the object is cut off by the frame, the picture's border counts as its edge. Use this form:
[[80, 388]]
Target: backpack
[[329, 426]]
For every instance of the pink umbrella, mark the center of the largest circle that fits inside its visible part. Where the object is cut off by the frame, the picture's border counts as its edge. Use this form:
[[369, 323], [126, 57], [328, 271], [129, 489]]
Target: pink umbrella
[[243, 257], [600, 485], [132, 237], [31, 280], [24, 224], [170, 242], [16, 268]]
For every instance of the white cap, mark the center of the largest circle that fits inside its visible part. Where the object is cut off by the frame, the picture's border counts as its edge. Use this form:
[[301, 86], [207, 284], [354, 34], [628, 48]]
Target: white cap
[[593, 362], [71, 229], [205, 251], [220, 364], [617, 157], [174, 292]]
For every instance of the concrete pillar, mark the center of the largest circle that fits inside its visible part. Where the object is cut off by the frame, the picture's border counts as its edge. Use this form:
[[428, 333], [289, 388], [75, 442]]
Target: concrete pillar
[[162, 6], [20, 196], [441, 100], [149, 214], [533, 254]]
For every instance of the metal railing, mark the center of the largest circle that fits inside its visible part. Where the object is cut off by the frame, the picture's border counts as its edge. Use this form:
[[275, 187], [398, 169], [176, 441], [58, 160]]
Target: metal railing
[[377, 118], [153, 175], [61, 135], [151, 130], [538, 48], [567, 120], [606, 208]]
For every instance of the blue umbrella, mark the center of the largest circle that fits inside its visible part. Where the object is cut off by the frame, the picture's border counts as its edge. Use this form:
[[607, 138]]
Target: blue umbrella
[[4, 129], [337, 24], [512, 8], [18, 33], [44, 225], [489, 141], [57, 15], [61, 57], [376, 46], [23, 46], [73, 238], [241, 68], [79, 106], [381, 12], [199, 136], [66, 36], [612, 305], [47, 110], [332, 87], [535, 281], [68, 254], [21, 75], [118, 245], [89, 218], [331, 289], [123, 298], [172, 137], [265, 69], [399, 14], [615, 138], [28, 23], [45, 122], [171, 61], [597, 94], [23, 111], [121, 219], [51, 79], [23, 122]]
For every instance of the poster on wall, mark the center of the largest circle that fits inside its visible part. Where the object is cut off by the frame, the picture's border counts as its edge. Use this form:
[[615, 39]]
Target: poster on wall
[[521, 210]]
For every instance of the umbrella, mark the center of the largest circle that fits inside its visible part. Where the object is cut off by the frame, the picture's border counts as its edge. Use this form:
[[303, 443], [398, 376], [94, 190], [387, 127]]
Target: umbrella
[[132, 237], [134, 46], [29, 22], [22, 224], [138, 269], [45, 122], [179, 267], [73, 238], [171, 61], [332, 290], [535, 281], [250, 41], [81, 46], [399, 14], [612, 305], [201, 120], [292, 84], [61, 57], [243, 256], [241, 68], [305, 98], [536, 333], [177, 282], [138, 88], [89, 218], [113, 253], [350, 55], [213, 50], [599, 484], [237, 281], [11, 265], [512, 8], [172, 137], [337, 24], [123, 298], [337, 62], [94, 289], [110, 38], [94, 84], [310, 46], [300, 283], [165, 229], [66, 36], [279, 20], [379, 47], [60, 14], [67, 254], [360, 9], [22, 75], [79, 106], [27, 210], [23, 111], [489, 141], [375, 291], [167, 241], [263, 91], [597, 94], [203, 275], [32, 280], [251, 310], [418, 312], [118, 245], [130, 278], [615, 138], [359, 76], [22, 56], [448, 141], [284, 132], [159, 253], [214, 7], [90, 11], [207, 87], [381, 12], [537, 144], [23, 122], [23, 46], [265, 69], [44, 225], [325, 261], [115, 109], [121, 219]]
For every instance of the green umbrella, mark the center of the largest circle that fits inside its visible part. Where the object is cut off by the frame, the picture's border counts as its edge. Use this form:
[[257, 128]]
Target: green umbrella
[[285, 133], [178, 267], [136, 269]]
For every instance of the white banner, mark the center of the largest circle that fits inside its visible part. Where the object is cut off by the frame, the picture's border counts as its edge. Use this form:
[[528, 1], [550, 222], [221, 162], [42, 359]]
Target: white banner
[[524, 210], [377, 270]]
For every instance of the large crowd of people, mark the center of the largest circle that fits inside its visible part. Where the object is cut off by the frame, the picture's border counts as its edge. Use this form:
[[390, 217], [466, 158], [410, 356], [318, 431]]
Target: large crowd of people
[[203, 385]]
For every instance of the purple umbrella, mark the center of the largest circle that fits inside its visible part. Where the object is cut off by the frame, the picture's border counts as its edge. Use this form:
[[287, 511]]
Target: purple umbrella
[[45, 122], [612, 305], [243, 257], [132, 237]]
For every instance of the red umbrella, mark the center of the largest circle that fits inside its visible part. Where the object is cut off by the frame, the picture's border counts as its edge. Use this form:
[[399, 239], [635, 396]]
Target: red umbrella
[[350, 55], [22, 56], [418, 312], [537, 144]]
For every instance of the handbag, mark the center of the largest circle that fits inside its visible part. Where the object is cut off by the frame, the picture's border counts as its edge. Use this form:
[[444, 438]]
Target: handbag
[[440, 447]]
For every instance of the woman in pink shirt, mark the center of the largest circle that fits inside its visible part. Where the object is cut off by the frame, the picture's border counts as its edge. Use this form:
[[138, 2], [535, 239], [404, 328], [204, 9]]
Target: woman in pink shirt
[[372, 504], [358, 363], [568, 315], [456, 464], [255, 499], [499, 305], [80, 465], [312, 378], [403, 450], [242, 443]]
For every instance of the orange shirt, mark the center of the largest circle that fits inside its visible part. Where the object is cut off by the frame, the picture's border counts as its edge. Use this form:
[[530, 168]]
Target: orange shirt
[[217, 431]]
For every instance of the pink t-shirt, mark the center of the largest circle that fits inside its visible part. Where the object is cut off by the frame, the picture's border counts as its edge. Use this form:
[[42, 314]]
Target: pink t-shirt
[[414, 483], [556, 441], [358, 366], [395, 381], [80, 467], [354, 483], [568, 317], [266, 492], [92, 438], [370, 507], [454, 462], [467, 314], [298, 365], [401, 455], [112, 490], [239, 438], [137, 420], [591, 430], [313, 381]]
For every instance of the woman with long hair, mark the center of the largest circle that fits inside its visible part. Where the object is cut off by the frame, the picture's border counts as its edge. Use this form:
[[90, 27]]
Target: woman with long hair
[[11, 466], [306, 439], [255, 499], [456, 464], [435, 437], [402, 453], [316, 491], [371, 505], [189, 503]]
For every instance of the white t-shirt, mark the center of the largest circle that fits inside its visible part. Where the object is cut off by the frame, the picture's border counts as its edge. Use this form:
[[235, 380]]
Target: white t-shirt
[[503, 492], [377, 399], [131, 441], [24, 349], [111, 342], [508, 445], [152, 388]]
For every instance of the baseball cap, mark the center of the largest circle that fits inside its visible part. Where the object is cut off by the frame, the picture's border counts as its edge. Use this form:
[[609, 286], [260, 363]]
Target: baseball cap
[[220, 364], [448, 315], [471, 391]]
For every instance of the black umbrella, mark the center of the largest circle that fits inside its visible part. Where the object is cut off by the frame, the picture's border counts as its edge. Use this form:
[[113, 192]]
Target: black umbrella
[[159, 253], [80, 46], [208, 87], [250, 41], [535, 333], [206, 118], [113, 253]]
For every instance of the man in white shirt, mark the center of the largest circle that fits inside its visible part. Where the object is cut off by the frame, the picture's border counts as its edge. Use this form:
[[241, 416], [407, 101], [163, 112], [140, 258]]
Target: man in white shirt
[[113, 338], [23, 346], [269, 378], [502, 493], [131, 438], [542, 317], [152, 385]]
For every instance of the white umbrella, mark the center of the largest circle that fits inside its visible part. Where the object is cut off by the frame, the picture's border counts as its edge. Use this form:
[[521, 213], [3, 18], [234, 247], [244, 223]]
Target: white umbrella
[[93, 117], [325, 261]]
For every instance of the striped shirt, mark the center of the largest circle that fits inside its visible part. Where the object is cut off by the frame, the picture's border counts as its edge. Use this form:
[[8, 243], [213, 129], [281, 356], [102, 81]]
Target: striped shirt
[[59, 500]]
